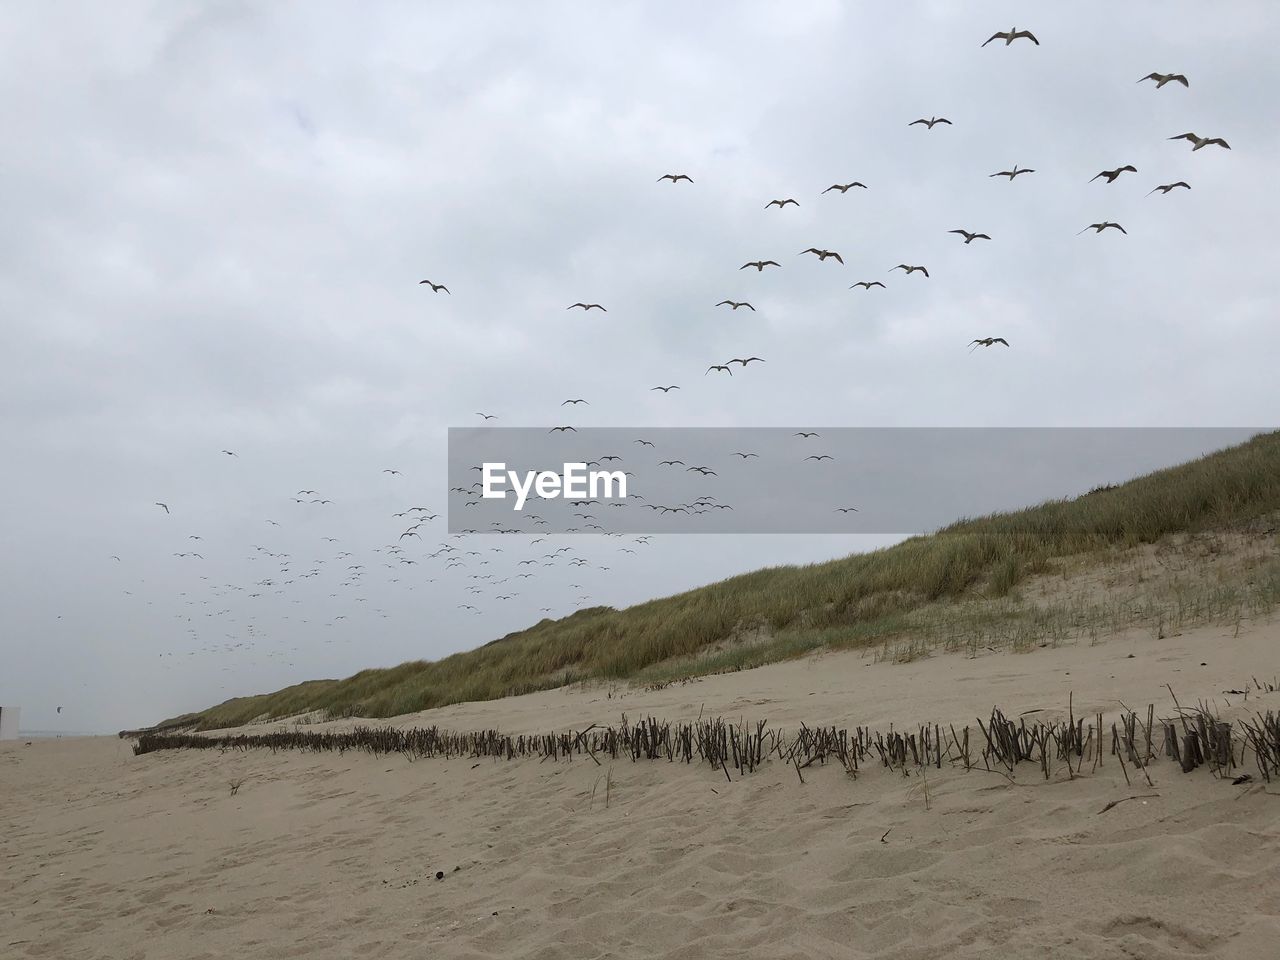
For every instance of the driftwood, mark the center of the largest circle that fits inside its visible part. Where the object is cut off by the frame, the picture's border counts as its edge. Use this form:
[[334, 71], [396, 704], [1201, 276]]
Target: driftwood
[[1194, 738]]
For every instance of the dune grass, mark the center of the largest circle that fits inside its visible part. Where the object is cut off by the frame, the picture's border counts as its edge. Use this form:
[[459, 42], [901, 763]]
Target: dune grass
[[956, 587]]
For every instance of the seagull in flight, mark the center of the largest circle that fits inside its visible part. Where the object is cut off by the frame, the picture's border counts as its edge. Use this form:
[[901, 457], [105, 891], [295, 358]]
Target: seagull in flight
[[970, 237], [574, 402], [1099, 227], [435, 287], [760, 265], [867, 284], [804, 434], [229, 453], [1011, 35], [845, 187], [165, 505], [1164, 188], [736, 304], [846, 510], [781, 203], [675, 177], [747, 360], [910, 269], [1162, 78], [720, 366], [931, 122], [561, 429], [822, 456], [1200, 141], [1112, 174], [821, 254], [664, 389], [586, 306], [745, 456], [987, 342], [392, 472], [1011, 174]]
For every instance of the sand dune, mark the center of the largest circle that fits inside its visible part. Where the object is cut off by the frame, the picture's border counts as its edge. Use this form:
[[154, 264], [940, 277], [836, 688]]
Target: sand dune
[[110, 855]]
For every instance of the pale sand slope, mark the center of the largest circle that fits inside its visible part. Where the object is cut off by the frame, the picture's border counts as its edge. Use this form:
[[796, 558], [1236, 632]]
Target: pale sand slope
[[320, 856]]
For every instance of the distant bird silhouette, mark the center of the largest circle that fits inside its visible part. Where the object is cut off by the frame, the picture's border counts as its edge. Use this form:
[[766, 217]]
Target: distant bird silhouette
[[746, 361], [867, 284], [1112, 174], [488, 416], [1011, 174], [1200, 141], [970, 237], [392, 472], [1164, 188], [846, 510], [720, 366], [760, 264], [1011, 35], [987, 342], [909, 269], [781, 203], [675, 177], [823, 456], [736, 304], [165, 505], [646, 443], [229, 453], [586, 306], [1162, 78], [567, 402], [435, 287], [931, 122], [802, 433], [664, 389], [844, 187], [1099, 227], [745, 456], [561, 429], [821, 254]]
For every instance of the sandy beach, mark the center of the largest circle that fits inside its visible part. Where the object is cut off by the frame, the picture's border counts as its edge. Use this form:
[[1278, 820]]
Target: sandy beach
[[320, 855]]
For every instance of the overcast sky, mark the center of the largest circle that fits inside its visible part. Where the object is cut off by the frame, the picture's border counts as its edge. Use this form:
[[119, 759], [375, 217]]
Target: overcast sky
[[216, 215]]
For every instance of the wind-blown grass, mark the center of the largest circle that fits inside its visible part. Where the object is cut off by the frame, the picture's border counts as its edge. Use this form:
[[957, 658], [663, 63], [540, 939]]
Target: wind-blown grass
[[864, 600]]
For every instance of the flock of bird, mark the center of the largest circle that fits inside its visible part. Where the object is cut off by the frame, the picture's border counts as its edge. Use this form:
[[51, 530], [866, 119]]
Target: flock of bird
[[499, 574], [469, 494]]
